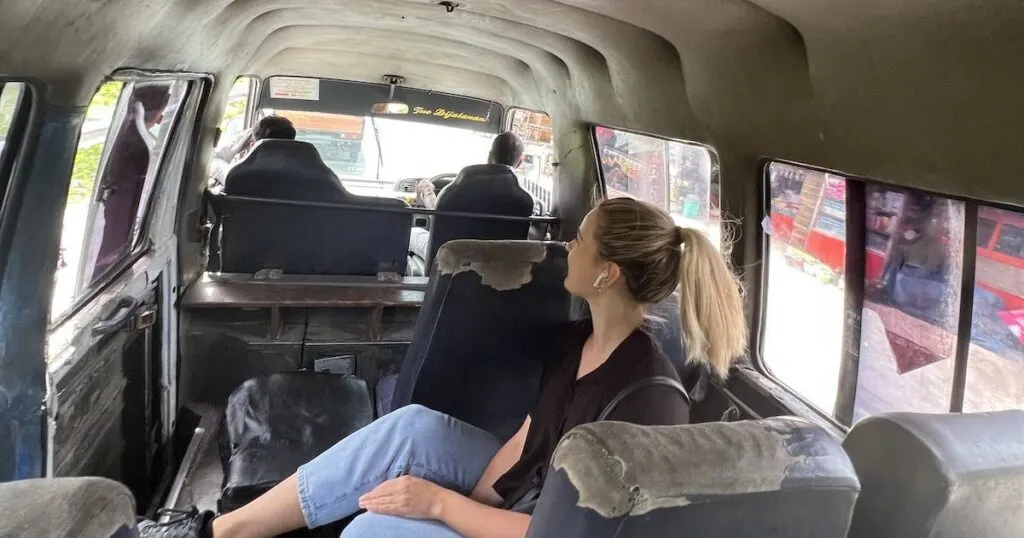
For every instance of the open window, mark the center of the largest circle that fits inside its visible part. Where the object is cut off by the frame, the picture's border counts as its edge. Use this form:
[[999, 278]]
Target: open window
[[14, 109], [679, 177], [536, 173], [120, 148]]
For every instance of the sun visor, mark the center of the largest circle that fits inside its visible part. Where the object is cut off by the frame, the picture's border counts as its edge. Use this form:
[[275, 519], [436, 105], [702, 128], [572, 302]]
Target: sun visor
[[367, 99]]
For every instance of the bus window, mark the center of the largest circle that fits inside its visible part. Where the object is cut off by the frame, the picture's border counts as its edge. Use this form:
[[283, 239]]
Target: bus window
[[995, 363], [803, 336], [536, 173], [911, 303], [114, 173], [673, 175]]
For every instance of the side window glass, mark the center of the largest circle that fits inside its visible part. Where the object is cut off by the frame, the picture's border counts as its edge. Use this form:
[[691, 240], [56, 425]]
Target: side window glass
[[536, 173], [122, 139], [803, 336], [995, 363], [10, 97], [675, 176], [911, 304], [232, 127]]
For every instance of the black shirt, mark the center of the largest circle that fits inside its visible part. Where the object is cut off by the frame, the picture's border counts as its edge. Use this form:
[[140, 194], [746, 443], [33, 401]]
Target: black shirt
[[566, 402]]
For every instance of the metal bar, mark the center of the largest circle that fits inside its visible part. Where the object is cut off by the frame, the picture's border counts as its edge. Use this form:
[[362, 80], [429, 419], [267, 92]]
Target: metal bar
[[276, 323], [856, 255], [963, 327], [382, 209]]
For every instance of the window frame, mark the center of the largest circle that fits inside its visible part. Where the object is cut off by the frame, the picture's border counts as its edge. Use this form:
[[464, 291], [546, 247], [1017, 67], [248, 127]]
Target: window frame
[[715, 172], [17, 131], [854, 273], [140, 243]]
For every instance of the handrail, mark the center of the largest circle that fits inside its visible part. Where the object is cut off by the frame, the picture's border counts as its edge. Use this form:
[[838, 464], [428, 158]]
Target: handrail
[[383, 209]]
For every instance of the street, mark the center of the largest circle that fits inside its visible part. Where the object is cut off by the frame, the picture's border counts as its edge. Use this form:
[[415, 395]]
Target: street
[[803, 348]]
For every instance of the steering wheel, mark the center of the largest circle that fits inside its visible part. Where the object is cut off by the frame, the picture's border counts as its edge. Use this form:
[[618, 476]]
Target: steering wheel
[[441, 181]]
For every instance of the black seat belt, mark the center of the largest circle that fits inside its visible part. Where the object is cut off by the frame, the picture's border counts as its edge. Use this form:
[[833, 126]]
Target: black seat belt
[[641, 384]]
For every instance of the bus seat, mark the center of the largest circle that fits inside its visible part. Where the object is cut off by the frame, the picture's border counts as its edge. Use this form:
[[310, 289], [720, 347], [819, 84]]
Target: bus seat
[[284, 170], [275, 423], [86, 507], [491, 311], [930, 475], [481, 188], [777, 477], [305, 239]]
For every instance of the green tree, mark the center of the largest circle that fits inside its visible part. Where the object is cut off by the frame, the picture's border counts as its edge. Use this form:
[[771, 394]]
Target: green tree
[[107, 95], [83, 174], [8, 101]]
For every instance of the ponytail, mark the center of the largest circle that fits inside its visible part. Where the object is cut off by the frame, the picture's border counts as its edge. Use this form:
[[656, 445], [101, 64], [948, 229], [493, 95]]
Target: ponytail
[[710, 305]]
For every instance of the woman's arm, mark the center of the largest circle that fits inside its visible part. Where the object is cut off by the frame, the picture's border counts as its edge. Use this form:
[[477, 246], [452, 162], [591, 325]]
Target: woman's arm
[[503, 460], [473, 519]]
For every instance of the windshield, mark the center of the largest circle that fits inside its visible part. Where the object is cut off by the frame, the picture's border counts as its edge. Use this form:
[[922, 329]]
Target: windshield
[[349, 146]]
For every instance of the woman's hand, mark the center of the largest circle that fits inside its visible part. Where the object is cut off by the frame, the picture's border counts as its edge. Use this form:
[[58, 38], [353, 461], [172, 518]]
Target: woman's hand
[[405, 496]]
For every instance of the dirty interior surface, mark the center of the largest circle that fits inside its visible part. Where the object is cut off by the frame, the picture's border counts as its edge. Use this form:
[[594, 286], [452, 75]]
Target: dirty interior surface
[[250, 327], [199, 478]]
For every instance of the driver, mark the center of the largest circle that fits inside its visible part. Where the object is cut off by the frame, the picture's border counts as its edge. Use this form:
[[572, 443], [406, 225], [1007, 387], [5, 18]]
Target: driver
[[506, 149]]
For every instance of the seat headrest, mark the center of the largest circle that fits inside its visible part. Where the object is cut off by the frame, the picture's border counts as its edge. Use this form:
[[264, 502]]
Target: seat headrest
[[486, 171], [622, 469], [939, 474], [502, 265], [284, 169]]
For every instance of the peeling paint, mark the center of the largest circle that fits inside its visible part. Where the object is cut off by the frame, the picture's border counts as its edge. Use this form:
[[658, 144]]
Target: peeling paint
[[622, 469], [502, 265]]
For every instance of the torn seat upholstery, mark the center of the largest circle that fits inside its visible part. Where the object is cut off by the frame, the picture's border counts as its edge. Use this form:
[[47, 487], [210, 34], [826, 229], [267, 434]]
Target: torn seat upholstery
[[776, 477], [491, 312], [939, 475], [276, 423]]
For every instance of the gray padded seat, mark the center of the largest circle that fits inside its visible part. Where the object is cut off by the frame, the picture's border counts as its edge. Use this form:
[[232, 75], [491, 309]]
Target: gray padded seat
[[67, 507], [483, 188], [304, 239], [781, 477], [939, 476]]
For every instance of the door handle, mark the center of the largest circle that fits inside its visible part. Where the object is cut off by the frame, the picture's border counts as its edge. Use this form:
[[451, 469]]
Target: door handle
[[123, 311]]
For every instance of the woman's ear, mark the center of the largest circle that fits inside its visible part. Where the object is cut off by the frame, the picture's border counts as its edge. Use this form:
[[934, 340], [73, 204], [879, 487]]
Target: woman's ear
[[612, 272]]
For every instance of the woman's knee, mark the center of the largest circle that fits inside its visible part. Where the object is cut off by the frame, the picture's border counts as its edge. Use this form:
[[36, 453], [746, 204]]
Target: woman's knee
[[382, 526], [415, 415]]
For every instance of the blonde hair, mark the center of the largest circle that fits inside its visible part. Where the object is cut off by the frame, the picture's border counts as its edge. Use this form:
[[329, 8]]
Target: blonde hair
[[656, 257]]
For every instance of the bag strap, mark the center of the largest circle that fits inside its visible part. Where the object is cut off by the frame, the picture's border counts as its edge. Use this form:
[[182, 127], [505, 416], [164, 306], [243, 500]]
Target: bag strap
[[641, 384]]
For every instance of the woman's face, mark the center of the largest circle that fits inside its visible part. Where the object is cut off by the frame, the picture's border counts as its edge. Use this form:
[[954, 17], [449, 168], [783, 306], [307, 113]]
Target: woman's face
[[585, 266]]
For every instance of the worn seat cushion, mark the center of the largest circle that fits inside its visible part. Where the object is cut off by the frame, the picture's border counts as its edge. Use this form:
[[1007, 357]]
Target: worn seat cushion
[[777, 477], [67, 507], [276, 423]]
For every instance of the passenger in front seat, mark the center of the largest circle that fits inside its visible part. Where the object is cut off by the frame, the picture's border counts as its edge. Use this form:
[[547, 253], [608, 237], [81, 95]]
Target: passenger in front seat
[[270, 127], [476, 190], [420, 473]]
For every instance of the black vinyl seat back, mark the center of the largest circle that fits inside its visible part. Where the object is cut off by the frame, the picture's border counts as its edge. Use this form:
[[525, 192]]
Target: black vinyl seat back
[[305, 239], [284, 170], [778, 477], [483, 188], [489, 319], [932, 476]]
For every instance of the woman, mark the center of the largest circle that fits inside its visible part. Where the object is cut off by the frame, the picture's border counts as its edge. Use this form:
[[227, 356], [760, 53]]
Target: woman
[[421, 473]]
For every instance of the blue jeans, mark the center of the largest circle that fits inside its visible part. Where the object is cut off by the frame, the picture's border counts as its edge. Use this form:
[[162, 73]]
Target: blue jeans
[[413, 441]]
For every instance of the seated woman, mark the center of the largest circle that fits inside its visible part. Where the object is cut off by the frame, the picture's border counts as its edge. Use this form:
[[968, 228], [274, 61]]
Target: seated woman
[[420, 473]]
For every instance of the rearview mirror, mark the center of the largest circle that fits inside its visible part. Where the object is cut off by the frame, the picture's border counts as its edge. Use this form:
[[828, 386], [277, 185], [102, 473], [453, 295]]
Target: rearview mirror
[[390, 108]]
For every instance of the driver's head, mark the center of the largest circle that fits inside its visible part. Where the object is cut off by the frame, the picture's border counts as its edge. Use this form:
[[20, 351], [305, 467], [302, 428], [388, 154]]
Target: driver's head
[[506, 149], [274, 127]]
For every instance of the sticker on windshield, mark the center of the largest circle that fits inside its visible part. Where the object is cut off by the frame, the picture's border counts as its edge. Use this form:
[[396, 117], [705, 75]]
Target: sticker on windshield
[[304, 89]]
